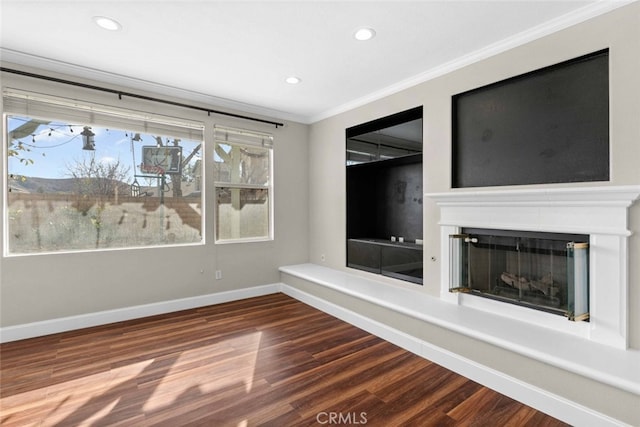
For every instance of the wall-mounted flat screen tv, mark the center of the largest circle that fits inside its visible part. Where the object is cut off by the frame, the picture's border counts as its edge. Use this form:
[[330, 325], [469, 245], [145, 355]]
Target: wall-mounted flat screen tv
[[547, 126]]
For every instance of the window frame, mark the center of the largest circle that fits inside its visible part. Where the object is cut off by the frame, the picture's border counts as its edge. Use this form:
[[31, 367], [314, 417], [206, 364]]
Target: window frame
[[42, 106], [249, 139]]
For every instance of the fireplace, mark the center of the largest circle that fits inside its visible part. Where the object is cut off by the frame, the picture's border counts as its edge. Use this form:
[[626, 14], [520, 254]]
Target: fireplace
[[579, 234], [543, 271]]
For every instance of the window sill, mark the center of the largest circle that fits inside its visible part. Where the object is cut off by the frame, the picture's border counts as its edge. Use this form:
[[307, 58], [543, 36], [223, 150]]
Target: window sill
[[245, 240]]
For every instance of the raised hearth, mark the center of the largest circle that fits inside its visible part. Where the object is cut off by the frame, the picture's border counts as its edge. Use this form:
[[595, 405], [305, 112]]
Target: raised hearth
[[599, 212]]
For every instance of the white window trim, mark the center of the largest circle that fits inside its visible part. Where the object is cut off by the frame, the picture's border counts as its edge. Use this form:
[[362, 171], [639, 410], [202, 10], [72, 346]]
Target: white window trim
[[35, 105], [248, 138]]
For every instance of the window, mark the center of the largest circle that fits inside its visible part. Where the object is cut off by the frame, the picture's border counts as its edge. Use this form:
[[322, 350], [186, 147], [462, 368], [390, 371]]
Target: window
[[83, 177], [243, 185]]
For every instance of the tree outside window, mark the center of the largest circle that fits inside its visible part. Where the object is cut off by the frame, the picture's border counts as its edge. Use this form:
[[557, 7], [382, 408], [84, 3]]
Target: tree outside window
[[66, 195]]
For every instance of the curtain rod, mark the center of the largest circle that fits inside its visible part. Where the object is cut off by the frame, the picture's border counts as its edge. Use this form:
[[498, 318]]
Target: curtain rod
[[134, 95]]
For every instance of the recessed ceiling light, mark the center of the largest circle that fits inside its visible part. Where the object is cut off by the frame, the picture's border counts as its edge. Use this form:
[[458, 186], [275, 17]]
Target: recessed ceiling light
[[363, 34], [107, 23], [293, 80]]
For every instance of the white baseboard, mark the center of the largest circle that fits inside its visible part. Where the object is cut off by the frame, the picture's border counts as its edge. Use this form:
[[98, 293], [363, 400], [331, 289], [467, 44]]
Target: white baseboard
[[542, 400], [63, 324], [549, 403]]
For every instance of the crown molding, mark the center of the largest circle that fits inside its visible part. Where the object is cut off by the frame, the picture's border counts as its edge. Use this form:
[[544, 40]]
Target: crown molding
[[573, 18], [584, 14]]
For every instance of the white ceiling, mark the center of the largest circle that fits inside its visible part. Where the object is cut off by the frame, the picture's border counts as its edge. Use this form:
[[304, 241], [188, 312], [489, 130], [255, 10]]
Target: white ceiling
[[237, 54]]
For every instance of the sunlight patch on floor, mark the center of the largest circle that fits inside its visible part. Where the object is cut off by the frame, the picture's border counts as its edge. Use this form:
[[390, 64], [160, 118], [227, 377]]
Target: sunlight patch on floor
[[228, 373], [70, 396]]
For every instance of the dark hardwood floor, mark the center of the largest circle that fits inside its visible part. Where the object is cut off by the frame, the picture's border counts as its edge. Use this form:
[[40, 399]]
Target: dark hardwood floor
[[263, 361]]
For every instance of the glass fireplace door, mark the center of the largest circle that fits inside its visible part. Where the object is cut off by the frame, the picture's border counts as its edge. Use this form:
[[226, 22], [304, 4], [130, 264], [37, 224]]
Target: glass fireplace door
[[545, 271]]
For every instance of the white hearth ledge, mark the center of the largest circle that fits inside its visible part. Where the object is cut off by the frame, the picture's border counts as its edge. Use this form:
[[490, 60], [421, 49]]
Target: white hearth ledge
[[601, 212], [608, 365], [614, 367]]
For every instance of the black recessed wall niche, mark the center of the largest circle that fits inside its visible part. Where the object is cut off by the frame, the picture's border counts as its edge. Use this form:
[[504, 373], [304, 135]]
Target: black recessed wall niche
[[384, 196], [547, 126]]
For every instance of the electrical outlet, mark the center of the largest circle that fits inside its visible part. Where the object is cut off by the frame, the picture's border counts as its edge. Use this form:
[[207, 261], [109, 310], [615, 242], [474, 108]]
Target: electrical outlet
[[218, 274], [322, 258]]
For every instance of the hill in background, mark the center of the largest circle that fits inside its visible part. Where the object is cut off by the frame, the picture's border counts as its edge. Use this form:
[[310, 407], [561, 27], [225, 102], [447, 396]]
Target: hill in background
[[30, 184]]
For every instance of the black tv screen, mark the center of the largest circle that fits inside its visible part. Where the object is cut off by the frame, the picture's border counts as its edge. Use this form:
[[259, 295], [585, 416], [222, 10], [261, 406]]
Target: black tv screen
[[547, 126]]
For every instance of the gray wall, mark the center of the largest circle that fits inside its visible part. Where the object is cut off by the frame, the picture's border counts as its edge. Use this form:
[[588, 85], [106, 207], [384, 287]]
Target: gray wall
[[618, 30], [310, 212], [43, 287]]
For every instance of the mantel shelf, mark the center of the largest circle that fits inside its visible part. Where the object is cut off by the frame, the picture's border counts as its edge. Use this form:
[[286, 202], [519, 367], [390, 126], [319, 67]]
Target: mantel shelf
[[565, 196], [601, 212]]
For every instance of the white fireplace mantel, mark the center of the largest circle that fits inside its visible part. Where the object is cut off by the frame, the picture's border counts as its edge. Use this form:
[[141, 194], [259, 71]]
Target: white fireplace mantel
[[600, 212]]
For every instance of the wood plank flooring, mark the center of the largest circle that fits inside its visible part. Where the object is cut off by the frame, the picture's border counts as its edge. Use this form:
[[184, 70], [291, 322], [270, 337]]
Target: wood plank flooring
[[270, 361]]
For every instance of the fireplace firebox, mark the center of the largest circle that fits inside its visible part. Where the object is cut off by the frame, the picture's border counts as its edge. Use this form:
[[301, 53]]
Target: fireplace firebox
[[544, 271]]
